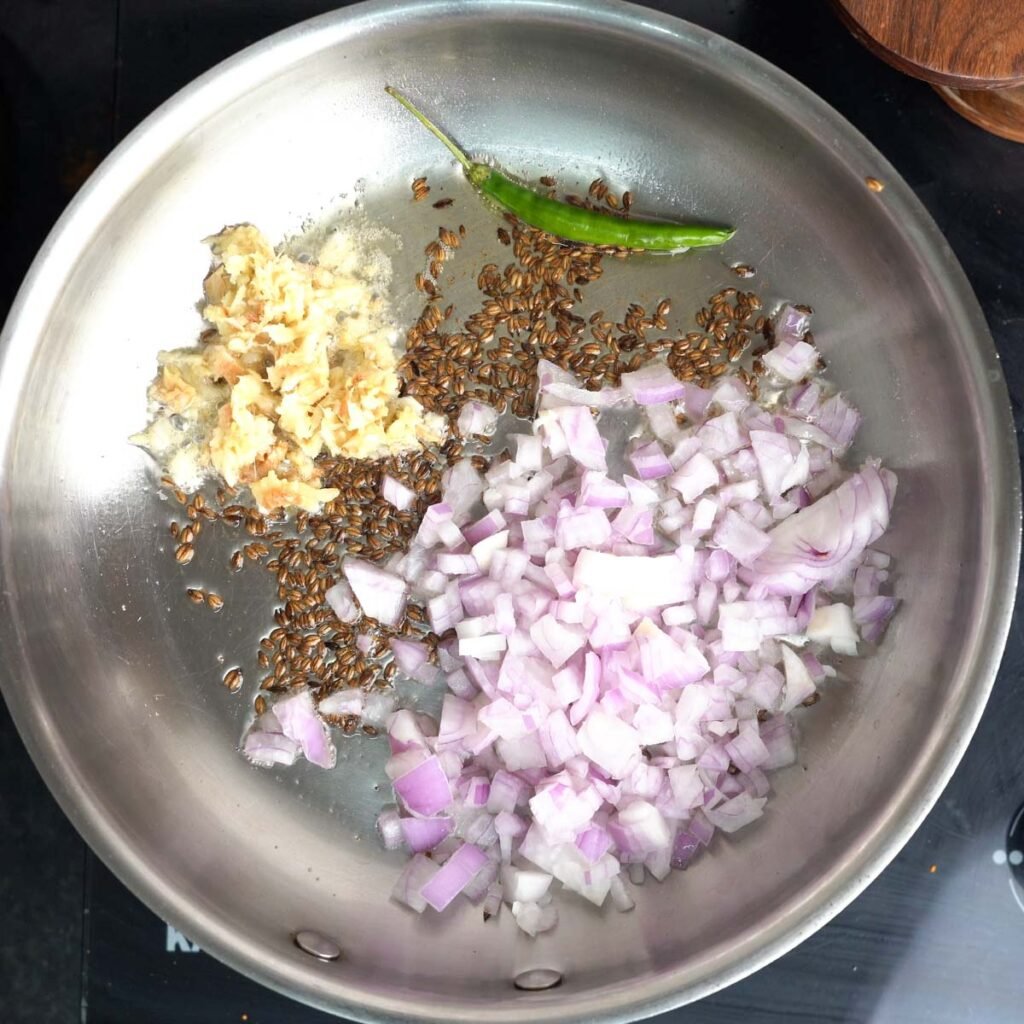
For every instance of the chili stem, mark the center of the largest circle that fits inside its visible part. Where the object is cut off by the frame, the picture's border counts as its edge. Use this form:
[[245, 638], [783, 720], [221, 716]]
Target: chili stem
[[430, 126]]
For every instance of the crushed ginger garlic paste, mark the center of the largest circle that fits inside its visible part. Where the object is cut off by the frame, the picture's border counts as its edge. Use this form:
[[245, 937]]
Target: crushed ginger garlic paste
[[299, 361]]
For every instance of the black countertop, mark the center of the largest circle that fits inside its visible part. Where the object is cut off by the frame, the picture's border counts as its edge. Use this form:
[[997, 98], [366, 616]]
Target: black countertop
[[77, 75]]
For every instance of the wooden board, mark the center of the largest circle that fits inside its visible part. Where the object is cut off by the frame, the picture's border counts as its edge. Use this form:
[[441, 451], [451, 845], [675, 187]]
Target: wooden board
[[971, 44], [1000, 111]]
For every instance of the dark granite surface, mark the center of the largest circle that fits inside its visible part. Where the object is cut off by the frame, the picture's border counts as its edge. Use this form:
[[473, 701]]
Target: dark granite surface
[[942, 945]]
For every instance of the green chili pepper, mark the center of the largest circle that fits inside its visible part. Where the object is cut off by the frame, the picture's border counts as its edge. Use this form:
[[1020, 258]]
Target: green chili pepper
[[572, 223]]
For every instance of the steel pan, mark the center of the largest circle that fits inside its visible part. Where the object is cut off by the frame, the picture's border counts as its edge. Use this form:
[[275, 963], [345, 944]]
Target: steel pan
[[113, 678]]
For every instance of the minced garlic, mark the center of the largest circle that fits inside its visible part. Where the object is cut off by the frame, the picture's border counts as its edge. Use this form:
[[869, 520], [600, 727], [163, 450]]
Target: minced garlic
[[300, 361]]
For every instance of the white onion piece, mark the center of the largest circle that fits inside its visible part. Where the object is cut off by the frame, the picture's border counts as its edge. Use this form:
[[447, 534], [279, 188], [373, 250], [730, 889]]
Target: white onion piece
[[791, 360], [463, 487], [265, 743], [620, 897], [477, 418], [583, 441], [653, 384], [732, 815], [389, 825], [533, 919], [696, 476], [639, 583], [409, 886], [524, 884], [342, 602], [790, 323], [397, 493], [567, 394], [342, 702], [834, 624], [377, 708], [381, 595], [299, 721], [610, 743]]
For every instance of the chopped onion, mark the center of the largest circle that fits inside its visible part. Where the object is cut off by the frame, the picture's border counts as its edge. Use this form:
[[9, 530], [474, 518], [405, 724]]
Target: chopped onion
[[834, 624], [397, 494], [445, 610], [266, 744], [791, 360], [583, 528], [299, 721], [524, 884], [411, 656], [610, 743], [342, 603], [381, 595], [342, 702], [620, 897], [872, 614], [639, 582], [790, 324], [582, 437], [741, 539], [839, 420], [695, 477], [377, 707], [567, 394], [732, 815], [616, 640], [653, 384], [458, 871], [463, 487], [422, 834], [825, 541], [492, 901], [799, 685], [533, 919], [555, 641], [389, 825], [409, 886], [650, 461], [476, 418], [425, 789]]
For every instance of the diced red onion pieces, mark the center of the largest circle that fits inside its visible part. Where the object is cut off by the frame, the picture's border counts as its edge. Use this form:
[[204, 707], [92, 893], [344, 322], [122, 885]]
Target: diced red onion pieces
[[300, 722], [422, 834], [453, 877], [425, 789], [616, 641]]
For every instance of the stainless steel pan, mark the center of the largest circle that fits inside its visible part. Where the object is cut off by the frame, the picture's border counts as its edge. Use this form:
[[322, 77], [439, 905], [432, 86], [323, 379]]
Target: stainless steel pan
[[113, 677]]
